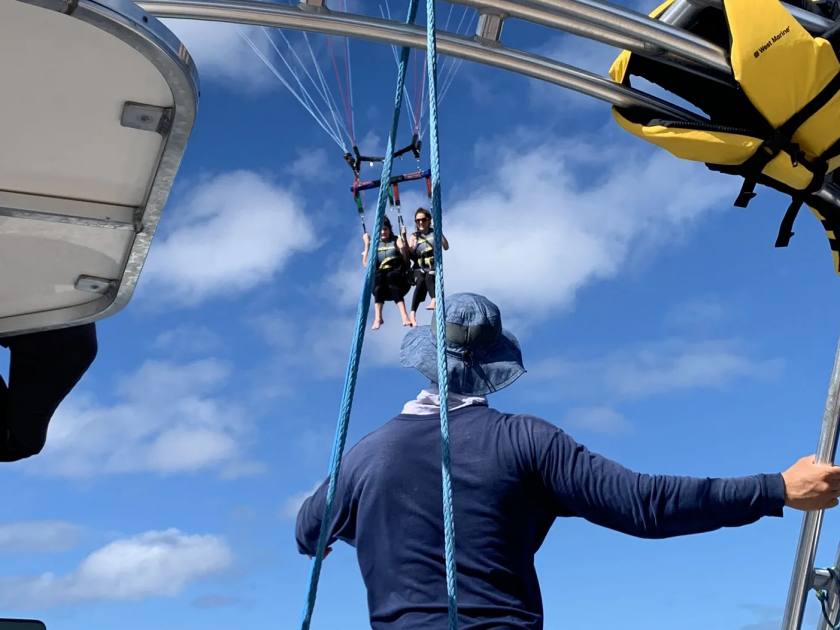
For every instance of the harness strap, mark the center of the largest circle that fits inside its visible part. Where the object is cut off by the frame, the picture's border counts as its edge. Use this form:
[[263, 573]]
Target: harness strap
[[428, 256], [781, 139], [786, 226]]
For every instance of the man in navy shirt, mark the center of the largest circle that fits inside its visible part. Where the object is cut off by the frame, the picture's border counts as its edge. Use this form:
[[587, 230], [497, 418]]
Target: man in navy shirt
[[512, 476]]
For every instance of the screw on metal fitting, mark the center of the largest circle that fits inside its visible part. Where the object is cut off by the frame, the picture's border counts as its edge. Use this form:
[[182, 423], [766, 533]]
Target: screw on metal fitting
[[147, 117], [92, 284]]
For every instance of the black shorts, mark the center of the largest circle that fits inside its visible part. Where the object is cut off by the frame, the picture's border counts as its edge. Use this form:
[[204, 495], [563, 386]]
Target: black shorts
[[390, 285]]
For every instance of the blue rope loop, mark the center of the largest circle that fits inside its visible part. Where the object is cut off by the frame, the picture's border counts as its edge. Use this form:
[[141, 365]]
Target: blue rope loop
[[362, 309], [440, 321]]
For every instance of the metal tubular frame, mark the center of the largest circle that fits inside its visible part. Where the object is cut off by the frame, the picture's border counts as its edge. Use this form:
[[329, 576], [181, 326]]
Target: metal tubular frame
[[391, 32], [803, 570], [612, 25]]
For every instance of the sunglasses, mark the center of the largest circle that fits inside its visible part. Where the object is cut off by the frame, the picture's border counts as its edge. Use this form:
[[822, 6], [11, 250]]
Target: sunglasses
[[421, 220]]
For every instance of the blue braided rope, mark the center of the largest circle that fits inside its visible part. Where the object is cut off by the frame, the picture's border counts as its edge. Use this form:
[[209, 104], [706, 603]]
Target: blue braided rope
[[440, 321], [358, 337]]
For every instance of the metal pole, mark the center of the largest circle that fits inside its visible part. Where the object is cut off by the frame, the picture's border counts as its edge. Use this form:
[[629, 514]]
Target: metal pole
[[623, 20], [389, 32], [364, 27], [618, 27], [803, 567]]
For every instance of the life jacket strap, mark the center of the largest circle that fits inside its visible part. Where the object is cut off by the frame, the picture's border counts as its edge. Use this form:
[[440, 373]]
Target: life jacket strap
[[781, 139], [746, 193], [820, 168], [786, 226]]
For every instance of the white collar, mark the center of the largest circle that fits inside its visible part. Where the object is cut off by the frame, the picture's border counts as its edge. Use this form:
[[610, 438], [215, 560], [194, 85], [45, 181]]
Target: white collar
[[427, 402]]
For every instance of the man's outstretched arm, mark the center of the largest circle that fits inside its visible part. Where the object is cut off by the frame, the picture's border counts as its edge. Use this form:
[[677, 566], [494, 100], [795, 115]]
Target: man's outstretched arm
[[658, 506]]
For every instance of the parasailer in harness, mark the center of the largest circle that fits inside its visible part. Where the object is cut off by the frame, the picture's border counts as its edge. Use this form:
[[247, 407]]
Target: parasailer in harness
[[391, 281], [43, 368], [421, 246]]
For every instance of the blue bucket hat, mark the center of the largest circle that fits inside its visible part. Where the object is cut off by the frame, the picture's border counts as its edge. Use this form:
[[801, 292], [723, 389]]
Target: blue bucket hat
[[482, 357]]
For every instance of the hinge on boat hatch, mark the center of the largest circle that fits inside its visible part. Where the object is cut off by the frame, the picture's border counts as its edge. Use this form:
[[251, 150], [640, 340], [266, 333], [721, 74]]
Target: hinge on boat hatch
[[92, 284], [62, 6], [147, 117]]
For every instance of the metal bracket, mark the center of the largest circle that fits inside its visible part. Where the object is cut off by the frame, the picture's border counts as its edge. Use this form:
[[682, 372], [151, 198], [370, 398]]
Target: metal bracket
[[313, 6], [147, 117], [92, 284], [62, 6], [803, 576], [825, 583], [489, 29]]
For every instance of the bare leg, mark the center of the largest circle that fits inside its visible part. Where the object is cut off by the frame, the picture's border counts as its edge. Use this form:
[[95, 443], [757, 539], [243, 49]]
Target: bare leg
[[377, 316], [412, 318], [403, 314], [430, 287]]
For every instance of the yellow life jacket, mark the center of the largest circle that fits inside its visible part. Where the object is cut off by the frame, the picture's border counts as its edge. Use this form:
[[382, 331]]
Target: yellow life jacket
[[779, 126]]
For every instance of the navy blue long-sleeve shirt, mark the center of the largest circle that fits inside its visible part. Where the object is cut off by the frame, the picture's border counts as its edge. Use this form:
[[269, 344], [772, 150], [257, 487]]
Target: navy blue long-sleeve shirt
[[512, 476]]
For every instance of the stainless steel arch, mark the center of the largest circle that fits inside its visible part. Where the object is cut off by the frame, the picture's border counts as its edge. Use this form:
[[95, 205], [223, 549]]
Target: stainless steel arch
[[322, 20]]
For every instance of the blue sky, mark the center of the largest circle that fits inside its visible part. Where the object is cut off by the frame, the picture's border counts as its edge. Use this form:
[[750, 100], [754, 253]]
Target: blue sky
[[659, 326]]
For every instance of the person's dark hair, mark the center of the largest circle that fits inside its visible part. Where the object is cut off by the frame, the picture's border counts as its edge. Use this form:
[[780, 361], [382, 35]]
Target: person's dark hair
[[424, 211], [386, 222]]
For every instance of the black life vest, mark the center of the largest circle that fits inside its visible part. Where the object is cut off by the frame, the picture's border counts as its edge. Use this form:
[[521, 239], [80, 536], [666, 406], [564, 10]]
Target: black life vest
[[424, 249], [388, 255]]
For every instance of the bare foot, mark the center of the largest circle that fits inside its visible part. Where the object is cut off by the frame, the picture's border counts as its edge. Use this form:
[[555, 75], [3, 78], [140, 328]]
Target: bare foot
[[406, 322], [431, 306], [377, 323]]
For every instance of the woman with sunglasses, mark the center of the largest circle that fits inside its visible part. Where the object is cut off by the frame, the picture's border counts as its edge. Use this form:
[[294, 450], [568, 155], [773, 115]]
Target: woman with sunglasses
[[421, 246], [391, 281]]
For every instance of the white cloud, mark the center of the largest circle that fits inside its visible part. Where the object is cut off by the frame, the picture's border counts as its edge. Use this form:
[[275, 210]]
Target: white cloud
[[372, 144], [699, 314], [221, 53], [699, 365], [168, 418], [214, 601], [582, 53], [38, 536], [151, 564], [546, 220], [311, 164], [187, 339], [656, 368], [318, 346], [233, 233], [598, 419], [554, 217], [292, 504]]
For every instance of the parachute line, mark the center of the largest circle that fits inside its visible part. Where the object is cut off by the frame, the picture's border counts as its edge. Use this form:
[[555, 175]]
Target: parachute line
[[321, 89], [304, 92], [289, 87]]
